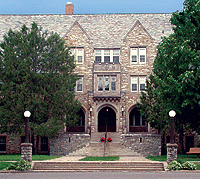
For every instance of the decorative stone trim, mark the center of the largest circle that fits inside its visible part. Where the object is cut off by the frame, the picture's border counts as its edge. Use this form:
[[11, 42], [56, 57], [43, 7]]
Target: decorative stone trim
[[26, 151], [171, 152]]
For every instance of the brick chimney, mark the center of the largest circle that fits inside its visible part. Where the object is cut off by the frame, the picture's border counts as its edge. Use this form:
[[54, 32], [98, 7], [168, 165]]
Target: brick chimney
[[69, 8]]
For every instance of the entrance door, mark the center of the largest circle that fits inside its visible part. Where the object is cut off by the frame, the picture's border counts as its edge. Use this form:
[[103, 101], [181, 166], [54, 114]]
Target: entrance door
[[107, 120]]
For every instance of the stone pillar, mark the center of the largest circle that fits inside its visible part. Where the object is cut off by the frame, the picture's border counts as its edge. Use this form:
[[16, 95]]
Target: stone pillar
[[26, 151], [171, 152]]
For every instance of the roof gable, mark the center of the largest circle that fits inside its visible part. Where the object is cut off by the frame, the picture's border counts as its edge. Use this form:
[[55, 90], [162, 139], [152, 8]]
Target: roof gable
[[141, 27]]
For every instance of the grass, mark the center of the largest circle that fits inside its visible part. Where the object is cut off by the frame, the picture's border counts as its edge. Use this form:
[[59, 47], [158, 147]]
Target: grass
[[198, 165], [183, 158], [18, 157], [4, 165], [105, 158]]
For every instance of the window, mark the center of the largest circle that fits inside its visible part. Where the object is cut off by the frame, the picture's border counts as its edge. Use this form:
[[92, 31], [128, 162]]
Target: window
[[106, 56], [138, 83], [79, 84], [106, 83], [78, 54], [44, 144], [2, 144], [98, 56], [138, 55], [116, 56]]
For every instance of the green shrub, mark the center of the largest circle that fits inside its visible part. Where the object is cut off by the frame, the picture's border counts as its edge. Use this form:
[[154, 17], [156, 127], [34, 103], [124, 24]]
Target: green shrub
[[12, 166], [189, 166], [174, 165], [23, 165]]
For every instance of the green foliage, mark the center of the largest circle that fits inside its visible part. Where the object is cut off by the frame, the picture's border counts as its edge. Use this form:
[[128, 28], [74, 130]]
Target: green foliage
[[12, 166], [106, 158], [175, 82], [34, 157], [189, 166], [36, 75], [4, 165], [174, 165], [23, 165]]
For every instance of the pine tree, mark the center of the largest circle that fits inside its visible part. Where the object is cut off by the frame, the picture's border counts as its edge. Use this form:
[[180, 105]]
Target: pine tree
[[36, 75]]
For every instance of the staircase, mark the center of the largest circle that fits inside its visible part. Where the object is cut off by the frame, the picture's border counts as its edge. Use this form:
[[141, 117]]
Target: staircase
[[98, 166], [96, 148]]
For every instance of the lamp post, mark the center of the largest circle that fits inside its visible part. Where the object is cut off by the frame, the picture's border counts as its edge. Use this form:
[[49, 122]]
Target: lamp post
[[172, 114], [27, 114]]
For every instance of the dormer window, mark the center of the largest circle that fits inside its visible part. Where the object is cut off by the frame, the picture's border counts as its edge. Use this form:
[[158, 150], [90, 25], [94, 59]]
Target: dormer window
[[78, 53], [138, 55]]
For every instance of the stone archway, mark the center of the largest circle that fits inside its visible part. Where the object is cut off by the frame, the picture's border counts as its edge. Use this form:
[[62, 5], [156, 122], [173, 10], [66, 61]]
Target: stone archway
[[107, 120]]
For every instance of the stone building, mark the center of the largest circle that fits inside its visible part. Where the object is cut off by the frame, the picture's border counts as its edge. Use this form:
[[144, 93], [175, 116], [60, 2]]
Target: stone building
[[114, 54]]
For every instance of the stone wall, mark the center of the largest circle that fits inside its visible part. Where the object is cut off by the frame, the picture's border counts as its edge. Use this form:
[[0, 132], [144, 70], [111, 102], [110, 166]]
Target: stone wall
[[145, 144], [64, 143]]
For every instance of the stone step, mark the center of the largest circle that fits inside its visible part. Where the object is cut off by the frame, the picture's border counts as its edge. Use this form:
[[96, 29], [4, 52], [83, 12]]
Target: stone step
[[101, 149], [98, 166]]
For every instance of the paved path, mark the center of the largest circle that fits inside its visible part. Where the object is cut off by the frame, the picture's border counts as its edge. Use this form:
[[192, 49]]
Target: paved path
[[77, 158]]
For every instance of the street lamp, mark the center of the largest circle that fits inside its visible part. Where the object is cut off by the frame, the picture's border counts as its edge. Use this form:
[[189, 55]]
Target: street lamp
[[27, 114], [172, 114]]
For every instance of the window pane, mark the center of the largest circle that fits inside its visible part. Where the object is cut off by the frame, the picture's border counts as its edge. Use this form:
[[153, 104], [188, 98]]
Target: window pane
[[142, 87], [106, 58], [80, 59], [80, 84], [100, 83], [97, 52], [134, 87], [98, 59], [134, 58], [106, 52], [106, 83], [116, 52], [116, 59], [142, 58], [113, 86]]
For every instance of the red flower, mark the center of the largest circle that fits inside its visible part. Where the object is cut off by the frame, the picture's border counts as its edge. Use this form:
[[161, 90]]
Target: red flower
[[109, 139], [102, 139]]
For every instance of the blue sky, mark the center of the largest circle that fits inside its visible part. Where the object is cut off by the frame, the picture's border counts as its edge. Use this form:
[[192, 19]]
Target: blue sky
[[89, 6]]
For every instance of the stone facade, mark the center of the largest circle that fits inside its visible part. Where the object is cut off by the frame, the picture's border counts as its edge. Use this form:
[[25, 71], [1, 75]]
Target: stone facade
[[113, 108]]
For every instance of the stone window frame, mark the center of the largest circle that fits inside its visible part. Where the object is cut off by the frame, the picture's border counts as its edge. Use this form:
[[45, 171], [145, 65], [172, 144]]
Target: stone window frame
[[112, 54], [138, 81], [111, 82], [3, 144], [78, 53], [142, 122], [79, 82], [139, 54]]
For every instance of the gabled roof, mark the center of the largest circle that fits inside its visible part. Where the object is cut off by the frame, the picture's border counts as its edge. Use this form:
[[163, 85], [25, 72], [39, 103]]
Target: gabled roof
[[105, 30]]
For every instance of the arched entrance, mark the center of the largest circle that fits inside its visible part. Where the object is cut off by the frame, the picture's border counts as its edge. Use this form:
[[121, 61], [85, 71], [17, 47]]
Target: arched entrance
[[107, 120]]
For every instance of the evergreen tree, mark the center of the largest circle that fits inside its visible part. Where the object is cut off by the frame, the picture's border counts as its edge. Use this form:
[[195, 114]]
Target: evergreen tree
[[36, 75], [175, 82]]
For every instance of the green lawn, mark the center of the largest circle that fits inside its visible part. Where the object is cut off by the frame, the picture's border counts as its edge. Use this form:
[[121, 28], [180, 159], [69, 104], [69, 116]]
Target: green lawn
[[180, 157], [4, 165], [106, 158], [18, 157], [198, 165]]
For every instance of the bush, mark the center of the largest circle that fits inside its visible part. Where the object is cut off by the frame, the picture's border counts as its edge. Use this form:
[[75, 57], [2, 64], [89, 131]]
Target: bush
[[174, 165], [23, 165], [189, 166]]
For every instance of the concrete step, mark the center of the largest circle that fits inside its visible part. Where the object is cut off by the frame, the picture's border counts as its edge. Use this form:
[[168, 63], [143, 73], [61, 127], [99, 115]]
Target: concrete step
[[98, 166]]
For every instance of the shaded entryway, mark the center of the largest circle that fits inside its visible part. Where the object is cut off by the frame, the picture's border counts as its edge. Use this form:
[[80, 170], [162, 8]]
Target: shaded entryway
[[107, 119]]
